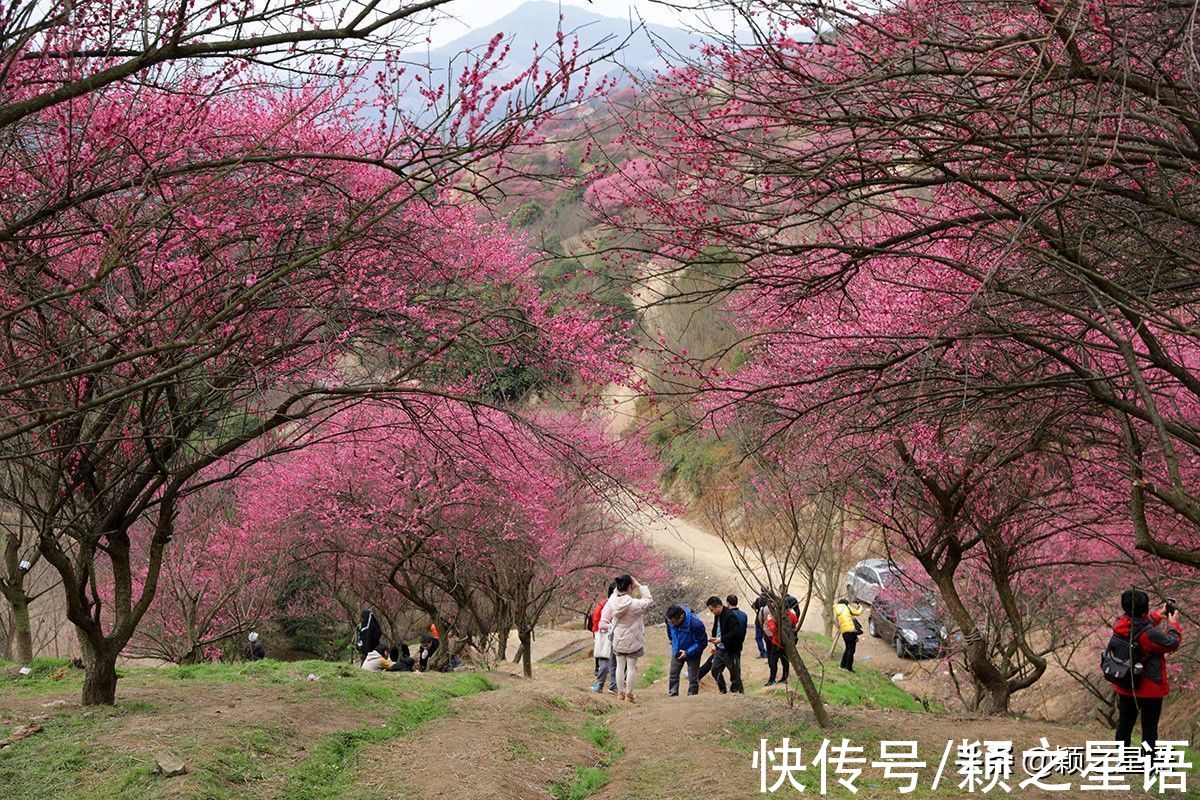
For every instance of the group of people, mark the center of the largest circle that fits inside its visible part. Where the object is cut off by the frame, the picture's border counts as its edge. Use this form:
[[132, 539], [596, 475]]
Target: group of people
[[398, 657], [617, 623], [689, 637]]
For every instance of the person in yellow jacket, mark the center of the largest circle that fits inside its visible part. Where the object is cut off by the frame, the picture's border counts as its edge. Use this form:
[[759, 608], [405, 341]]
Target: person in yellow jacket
[[844, 614]]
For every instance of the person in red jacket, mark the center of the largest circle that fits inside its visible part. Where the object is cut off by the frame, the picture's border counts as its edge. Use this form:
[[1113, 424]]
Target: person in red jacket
[[1153, 641], [606, 659], [775, 653]]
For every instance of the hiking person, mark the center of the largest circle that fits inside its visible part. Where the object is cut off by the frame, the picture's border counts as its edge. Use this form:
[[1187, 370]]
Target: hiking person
[[369, 634], [254, 650], [688, 636], [848, 625], [760, 631], [736, 685], [1151, 640], [728, 633], [625, 615], [775, 651], [602, 650]]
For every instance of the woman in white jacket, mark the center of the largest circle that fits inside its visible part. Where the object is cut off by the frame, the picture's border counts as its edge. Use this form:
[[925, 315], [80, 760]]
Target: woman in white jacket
[[625, 614]]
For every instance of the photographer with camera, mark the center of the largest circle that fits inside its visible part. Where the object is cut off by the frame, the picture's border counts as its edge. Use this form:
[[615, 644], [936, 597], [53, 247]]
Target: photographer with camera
[[1141, 689]]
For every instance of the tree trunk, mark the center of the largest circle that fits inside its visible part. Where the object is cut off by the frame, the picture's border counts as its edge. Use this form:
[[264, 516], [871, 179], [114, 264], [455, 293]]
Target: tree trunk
[[998, 695], [502, 644], [986, 675], [792, 653], [100, 674], [21, 648], [526, 638]]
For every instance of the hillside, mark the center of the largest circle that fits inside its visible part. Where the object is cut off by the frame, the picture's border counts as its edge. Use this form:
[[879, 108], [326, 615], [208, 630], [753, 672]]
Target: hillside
[[637, 46]]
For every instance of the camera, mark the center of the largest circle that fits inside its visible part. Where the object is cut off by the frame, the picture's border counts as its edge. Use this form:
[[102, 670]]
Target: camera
[[1172, 605]]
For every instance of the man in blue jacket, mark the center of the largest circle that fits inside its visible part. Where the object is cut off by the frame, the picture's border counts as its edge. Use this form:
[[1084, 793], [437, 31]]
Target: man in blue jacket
[[688, 638]]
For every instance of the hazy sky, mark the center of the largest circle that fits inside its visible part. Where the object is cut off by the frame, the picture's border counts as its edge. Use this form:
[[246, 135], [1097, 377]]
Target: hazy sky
[[469, 14]]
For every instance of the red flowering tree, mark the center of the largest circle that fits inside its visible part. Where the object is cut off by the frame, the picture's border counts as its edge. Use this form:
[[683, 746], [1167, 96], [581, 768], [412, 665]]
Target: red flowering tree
[[217, 582], [966, 273], [477, 519], [1041, 151], [200, 268]]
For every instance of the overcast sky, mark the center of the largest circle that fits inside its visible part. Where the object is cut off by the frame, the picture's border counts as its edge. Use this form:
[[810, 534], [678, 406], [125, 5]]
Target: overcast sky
[[470, 14]]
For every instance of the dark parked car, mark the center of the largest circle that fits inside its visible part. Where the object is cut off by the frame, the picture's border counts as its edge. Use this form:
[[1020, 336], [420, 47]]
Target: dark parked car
[[914, 630]]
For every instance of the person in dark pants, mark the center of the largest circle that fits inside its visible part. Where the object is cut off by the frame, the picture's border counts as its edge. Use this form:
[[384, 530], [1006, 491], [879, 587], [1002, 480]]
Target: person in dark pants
[[1152, 641], [760, 632], [688, 637], [844, 615], [735, 683], [775, 651], [401, 658], [728, 634]]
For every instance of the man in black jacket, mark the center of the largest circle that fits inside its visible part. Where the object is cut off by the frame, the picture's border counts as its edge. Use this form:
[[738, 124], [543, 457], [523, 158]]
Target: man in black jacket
[[728, 634]]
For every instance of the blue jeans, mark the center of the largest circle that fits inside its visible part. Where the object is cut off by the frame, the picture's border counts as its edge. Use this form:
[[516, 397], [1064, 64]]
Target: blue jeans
[[607, 667], [760, 639]]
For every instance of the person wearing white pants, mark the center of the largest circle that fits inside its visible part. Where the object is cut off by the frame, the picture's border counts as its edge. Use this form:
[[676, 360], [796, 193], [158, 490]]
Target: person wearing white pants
[[627, 674], [625, 614]]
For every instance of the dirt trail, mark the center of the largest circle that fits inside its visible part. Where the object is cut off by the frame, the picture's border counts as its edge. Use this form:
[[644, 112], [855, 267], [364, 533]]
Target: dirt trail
[[518, 741]]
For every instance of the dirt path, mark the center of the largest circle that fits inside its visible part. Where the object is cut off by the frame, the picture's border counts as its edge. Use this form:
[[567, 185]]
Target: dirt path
[[524, 738]]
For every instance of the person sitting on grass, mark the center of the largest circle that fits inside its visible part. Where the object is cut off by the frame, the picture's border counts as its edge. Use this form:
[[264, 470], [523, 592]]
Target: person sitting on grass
[[254, 650], [429, 646], [401, 658], [377, 661]]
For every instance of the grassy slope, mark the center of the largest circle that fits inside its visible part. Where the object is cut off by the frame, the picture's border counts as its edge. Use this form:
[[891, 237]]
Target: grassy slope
[[301, 742]]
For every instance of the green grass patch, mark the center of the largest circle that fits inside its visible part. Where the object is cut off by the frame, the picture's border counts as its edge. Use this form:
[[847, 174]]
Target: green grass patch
[[330, 768], [584, 783], [866, 687], [863, 688], [265, 671], [71, 758], [518, 749], [656, 670], [63, 763], [600, 735], [41, 679], [547, 719], [232, 767]]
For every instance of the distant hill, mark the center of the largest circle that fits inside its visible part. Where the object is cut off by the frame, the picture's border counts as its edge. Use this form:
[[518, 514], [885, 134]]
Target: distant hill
[[638, 48], [538, 22]]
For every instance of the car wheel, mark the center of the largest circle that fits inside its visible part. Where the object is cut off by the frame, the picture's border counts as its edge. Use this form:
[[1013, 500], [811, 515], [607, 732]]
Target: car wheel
[[871, 627], [901, 650]]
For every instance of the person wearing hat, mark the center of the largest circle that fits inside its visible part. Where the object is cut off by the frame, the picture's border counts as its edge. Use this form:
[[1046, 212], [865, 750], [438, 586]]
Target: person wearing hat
[[254, 650]]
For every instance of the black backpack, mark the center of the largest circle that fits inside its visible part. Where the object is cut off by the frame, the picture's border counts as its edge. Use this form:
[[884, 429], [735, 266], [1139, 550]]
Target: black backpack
[[369, 633], [1121, 661]]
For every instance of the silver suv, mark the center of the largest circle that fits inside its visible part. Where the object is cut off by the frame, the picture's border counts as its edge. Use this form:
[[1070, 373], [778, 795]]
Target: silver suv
[[866, 578]]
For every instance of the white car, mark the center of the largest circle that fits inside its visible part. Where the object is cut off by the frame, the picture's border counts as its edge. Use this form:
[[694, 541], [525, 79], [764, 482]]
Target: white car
[[866, 578]]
